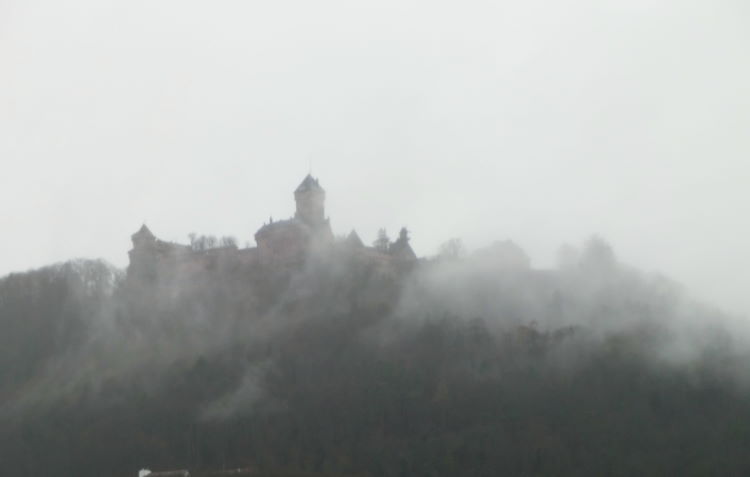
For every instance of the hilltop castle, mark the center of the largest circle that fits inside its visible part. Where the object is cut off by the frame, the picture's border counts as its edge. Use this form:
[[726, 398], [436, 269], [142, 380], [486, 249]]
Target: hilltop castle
[[281, 243]]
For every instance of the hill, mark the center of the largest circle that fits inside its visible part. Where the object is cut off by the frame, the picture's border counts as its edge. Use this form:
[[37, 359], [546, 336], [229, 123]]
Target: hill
[[459, 366]]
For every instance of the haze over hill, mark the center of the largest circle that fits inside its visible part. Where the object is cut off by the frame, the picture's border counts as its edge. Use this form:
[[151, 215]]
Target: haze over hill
[[561, 289], [354, 361]]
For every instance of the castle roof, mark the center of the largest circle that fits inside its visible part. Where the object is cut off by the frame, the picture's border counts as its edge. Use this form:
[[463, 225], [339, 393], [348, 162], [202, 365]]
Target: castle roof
[[143, 232], [353, 239], [309, 183], [402, 250], [288, 224]]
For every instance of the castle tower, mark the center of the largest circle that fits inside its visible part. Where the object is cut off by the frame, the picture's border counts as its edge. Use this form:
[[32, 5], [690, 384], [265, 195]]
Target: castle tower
[[310, 199], [143, 254], [401, 248], [143, 238]]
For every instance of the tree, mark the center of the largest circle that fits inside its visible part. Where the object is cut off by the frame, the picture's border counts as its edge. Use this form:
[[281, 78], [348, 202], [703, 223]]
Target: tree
[[227, 242], [206, 242], [598, 255], [452, 249], [382, 243]]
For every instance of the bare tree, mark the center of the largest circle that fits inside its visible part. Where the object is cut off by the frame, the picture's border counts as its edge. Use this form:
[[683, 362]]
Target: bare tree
[[452, 249], [228, 242]]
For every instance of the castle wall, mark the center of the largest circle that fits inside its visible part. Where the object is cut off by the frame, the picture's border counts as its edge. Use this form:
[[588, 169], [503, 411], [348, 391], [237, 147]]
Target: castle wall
[[286, 241]]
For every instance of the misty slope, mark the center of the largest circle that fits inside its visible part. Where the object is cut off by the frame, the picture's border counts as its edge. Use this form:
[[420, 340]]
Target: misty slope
[[464, 366]]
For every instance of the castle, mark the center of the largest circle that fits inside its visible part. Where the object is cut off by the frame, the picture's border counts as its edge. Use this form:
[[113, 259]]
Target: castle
[[284, 243]]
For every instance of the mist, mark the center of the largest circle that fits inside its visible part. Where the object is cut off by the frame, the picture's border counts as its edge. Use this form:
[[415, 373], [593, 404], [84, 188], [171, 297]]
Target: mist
[[538, 123], [215, 349], [566, 295]]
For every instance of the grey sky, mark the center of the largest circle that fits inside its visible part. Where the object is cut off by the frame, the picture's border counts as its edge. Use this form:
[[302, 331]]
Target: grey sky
[[542, 122]]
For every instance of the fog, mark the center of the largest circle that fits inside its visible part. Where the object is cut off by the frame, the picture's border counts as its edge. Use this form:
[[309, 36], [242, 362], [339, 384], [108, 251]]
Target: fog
[[213, 361], [96, 330], [538, 122], [573, 177]]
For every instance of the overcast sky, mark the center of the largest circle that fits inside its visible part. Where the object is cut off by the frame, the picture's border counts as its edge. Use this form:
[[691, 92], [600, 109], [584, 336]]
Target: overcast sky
[[542, 122]]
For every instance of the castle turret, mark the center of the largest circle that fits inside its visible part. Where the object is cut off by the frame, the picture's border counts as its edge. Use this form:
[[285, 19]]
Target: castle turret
[[400, 248], [290, 240], [143, 254], [143, 237], [310, 199]]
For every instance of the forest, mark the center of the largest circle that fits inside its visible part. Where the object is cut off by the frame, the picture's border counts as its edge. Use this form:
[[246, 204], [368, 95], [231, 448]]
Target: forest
[[471, 364]]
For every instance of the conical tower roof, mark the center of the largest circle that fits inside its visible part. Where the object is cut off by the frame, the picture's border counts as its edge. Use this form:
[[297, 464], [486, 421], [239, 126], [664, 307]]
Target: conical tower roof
[[309, 183], [353, 239], [143, 232]]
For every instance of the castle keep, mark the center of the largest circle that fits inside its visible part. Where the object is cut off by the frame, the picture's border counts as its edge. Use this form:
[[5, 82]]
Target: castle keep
[[281, 243], [292, 238]]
